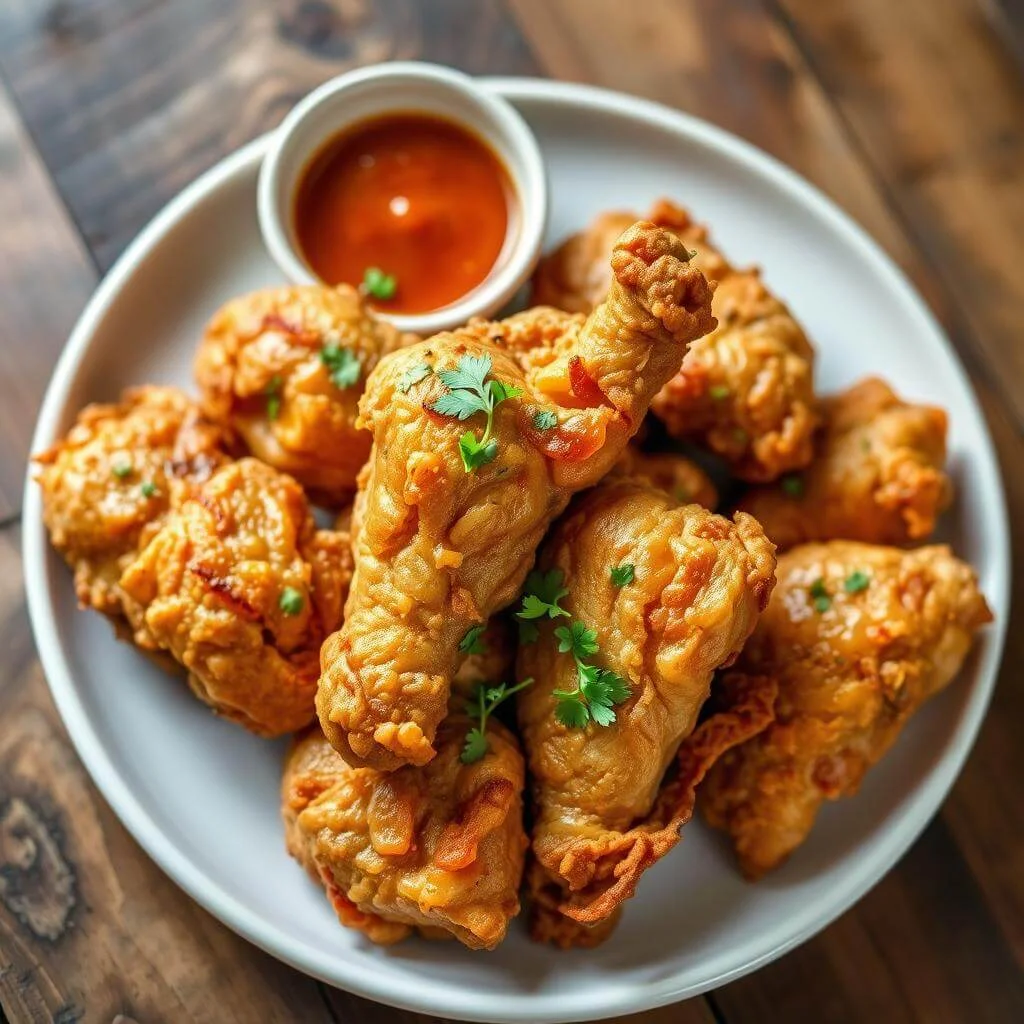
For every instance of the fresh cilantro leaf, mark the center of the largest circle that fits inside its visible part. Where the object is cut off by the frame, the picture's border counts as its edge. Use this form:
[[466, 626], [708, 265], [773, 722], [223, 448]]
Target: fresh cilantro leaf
[[818, 588], [577, 638], [718, 392], [822, 604], [148, 488], [413, 376], [472, 643], [571, 710], [475, 746], [545, 419], [469, 375], [623, 574], [461, 404], [481, 705], [345, 366], [856, 582], [820, 596], [291, 601], [475, 453], [618, 689], [602, 713], [122, 470], [495, 694], [533, 608], [792, 485], [547, 588], [501, 392], [378, 284]]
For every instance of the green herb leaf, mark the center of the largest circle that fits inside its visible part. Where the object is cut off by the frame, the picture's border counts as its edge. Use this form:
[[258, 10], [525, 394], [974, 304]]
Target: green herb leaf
[[475, 746], [291, 601], [578, 639], [461, 404], [476, 453], [273, 393], [148, 488], [344, 365], [822, 604], [602, 714], [623, 574], [820, 596], [471, 642], [378, 284], [718, 392], [545, 419], [792, 485], [856, 582], [543, 592], [121, 470], [482, 703], [818, 588], [413, 376], [571, 710]]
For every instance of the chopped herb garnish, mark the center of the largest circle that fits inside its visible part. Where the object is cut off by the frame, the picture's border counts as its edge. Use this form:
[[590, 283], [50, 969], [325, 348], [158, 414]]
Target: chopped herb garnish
[[598, 689], [718, 392], [483, 702], [291, 601], [344, 365], [541, 597], [413, 376], [545, 419], [273, 393], [121, 470], [856, 582], [148, 489], [691, 254], [577, 638], [472, 643], [792, 485], [820, 596], [469, 393], [623, 574], [378, 284]]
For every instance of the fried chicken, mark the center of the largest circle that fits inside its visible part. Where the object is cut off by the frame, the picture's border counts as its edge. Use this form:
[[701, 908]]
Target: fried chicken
[[284, 368], [699, 582], [110, 479], [438, 850], [679, 476], [857, 637], [455, 507], [745, 390], [877, 477], [241, 588]]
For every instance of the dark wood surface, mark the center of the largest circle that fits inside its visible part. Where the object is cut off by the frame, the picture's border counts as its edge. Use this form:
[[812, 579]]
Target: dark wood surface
[[909, 113]]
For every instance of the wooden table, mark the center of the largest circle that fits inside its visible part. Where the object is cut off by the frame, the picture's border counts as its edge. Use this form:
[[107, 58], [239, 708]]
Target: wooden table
[[909, 113]]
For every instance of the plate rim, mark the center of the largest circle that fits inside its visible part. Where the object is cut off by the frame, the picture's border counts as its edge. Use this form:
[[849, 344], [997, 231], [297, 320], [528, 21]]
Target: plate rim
[[926, 800]]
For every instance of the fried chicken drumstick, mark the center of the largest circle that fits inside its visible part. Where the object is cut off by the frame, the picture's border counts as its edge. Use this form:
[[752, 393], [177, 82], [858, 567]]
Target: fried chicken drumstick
[[481, 436], [620, 684], [438, 850], [878, 475], [745, 389], [857, 638]]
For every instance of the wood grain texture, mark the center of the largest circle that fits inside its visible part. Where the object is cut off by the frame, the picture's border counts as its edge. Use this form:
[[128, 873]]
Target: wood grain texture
[[45, 279]]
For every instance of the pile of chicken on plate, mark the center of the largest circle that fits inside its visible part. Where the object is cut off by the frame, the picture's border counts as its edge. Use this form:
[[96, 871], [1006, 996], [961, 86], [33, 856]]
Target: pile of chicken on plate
[[514, 591]]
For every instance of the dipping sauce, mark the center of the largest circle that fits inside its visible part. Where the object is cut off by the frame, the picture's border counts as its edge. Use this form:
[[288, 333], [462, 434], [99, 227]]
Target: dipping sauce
[[419, 202]]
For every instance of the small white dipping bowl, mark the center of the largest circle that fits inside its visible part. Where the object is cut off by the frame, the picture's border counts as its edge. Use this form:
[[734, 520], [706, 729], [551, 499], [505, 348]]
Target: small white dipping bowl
[[397, 88]]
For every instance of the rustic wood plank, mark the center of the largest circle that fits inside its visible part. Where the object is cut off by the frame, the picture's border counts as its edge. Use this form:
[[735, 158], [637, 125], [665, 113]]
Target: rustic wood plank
[[162, 90], [738, 66], [935, 99], [45, 278]]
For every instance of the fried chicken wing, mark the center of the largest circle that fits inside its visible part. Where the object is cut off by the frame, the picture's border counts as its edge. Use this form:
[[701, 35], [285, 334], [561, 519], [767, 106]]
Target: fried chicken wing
[[284, 368], [746, 389], [877, 477], [698, 585], [675, 474], [111, 477], [857, 638], [438, 850], [241, 588], [456, 505]]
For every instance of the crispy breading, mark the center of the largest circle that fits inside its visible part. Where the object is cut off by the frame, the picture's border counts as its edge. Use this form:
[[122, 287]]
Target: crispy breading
[[602, 815], [878, 475], [263, 369], [441, 548], [857, 638], [437, 850], [241, 588], [679, 476]]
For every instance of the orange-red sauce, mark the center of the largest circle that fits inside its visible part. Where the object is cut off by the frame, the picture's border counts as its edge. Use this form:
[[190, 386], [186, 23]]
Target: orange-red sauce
[[420, 198]]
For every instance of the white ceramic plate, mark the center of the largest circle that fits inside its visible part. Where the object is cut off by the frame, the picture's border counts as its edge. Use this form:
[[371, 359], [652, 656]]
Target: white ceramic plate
[[201, 795]]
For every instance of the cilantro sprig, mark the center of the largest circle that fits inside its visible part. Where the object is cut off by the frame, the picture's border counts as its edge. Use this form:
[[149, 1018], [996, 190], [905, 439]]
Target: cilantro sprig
[[343, 364], [378, 284], [470, 392], [481, 705], [544, 591], [820, 597], [598, 689], [622, 575], [857, 581], [413, 376], [472, 642]]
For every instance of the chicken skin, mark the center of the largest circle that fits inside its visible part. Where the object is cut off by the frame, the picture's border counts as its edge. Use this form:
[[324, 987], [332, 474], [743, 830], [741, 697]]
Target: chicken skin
[[110, 479], [436, 850], [697, 585], [857, 638], [241, 588], [284, 368], [675, 474], [878, 475], [746, 389], [480, 440]]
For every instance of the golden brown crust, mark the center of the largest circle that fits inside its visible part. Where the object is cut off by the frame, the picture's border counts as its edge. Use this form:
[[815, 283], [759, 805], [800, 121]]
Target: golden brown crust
[[210, 588], [852, 668], [602, 816], [878, 475], [437, 850], [110, 479], [746, 388], [440, 549], [271, 343]]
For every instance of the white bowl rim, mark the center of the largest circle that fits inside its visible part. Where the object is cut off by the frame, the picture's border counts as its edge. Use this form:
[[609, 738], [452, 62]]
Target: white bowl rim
[[530, 186], [448, 1000]]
